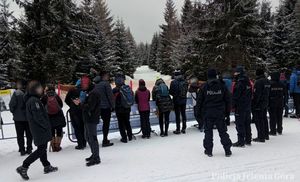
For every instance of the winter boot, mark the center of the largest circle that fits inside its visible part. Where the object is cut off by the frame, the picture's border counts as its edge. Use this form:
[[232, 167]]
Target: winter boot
[[248, 143], [177, 132], [50, 169], [88, 159], [238, 144], [259, 140], [123, 140], [209, 154], [93, 162], [23, 153], [228, 153], [107, 143], [22, 171]]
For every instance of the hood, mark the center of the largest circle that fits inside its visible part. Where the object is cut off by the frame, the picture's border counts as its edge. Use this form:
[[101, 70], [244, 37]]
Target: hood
[[142, 88], [159, 81]]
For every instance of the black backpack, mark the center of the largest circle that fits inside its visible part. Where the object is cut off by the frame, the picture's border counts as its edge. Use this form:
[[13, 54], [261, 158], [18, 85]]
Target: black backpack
[[183, 89]]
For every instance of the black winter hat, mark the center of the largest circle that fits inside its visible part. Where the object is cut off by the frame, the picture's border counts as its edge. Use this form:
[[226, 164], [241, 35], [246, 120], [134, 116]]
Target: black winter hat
[[212, 73], [177, 72], [260, 72], [97, 79], [240, 70]]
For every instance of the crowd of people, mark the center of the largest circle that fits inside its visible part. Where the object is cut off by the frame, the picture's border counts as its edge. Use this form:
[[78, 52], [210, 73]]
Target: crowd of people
[[37, 111]]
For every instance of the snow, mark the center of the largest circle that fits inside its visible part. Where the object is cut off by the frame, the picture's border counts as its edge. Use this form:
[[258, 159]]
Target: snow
[[175, 158], [171, 159]]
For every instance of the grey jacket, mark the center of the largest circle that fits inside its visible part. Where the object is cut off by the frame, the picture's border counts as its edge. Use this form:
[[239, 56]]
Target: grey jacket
[[17, 106], [106, 95]]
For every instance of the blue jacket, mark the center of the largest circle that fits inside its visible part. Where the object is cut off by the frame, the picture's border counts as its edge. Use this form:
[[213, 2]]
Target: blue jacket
[[294, 88], [228, 83]]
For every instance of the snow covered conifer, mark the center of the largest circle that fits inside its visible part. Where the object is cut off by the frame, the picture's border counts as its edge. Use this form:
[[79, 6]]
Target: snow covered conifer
[[8, 46], [285, 39], [153, 55], [168, 37]]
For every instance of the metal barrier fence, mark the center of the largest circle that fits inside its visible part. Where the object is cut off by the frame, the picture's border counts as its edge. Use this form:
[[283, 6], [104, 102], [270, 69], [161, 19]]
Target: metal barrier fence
[[134, 120]]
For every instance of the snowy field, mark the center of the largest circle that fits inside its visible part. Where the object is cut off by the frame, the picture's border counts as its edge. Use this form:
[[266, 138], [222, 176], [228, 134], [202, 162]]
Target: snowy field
[[175, 158]]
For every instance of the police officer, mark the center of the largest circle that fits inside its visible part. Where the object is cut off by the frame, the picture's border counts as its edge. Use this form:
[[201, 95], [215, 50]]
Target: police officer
[[241, 102], [260, 105], [213, 102], [277, 100]]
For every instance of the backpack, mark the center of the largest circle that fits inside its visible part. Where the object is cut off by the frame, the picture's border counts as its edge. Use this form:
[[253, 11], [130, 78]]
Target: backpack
[[52, 105], [127, 99], [183, 89], [163, 90]]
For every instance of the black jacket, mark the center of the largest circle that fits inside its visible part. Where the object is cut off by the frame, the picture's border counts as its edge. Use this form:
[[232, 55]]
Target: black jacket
[[164, 104], [277, 93], [17, 106], [175, 91], [213, 100], [242, 94], [91, 107], [38, 120], [106, 94], [261, 93]]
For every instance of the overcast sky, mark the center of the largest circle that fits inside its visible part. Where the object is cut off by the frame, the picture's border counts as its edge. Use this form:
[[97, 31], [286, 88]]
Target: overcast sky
[[142, 16]]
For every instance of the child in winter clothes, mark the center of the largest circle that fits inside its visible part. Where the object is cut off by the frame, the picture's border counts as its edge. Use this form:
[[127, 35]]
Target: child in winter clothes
[[142, 98], [53, 105]]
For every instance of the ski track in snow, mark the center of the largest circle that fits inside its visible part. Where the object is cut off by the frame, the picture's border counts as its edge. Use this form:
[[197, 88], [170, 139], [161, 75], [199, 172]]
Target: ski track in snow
[[171, 159]]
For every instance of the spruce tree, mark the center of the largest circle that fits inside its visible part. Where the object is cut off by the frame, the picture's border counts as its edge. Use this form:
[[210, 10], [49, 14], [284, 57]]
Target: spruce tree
[[8, 46], [143, 50], [153, 55], [48, 40], [285, 44], [103, 17], [168, 38], [124, 47], [267, 25]]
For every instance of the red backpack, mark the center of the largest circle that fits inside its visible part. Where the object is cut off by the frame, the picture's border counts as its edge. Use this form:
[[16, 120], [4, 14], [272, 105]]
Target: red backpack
[[52, 105]]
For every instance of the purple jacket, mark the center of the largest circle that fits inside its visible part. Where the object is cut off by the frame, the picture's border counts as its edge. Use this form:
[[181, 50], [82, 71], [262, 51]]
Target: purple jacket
[[142, 98]]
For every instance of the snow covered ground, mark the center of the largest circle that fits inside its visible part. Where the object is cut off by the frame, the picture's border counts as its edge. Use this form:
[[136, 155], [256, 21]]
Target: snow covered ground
[[171, 159], [175, 158]]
